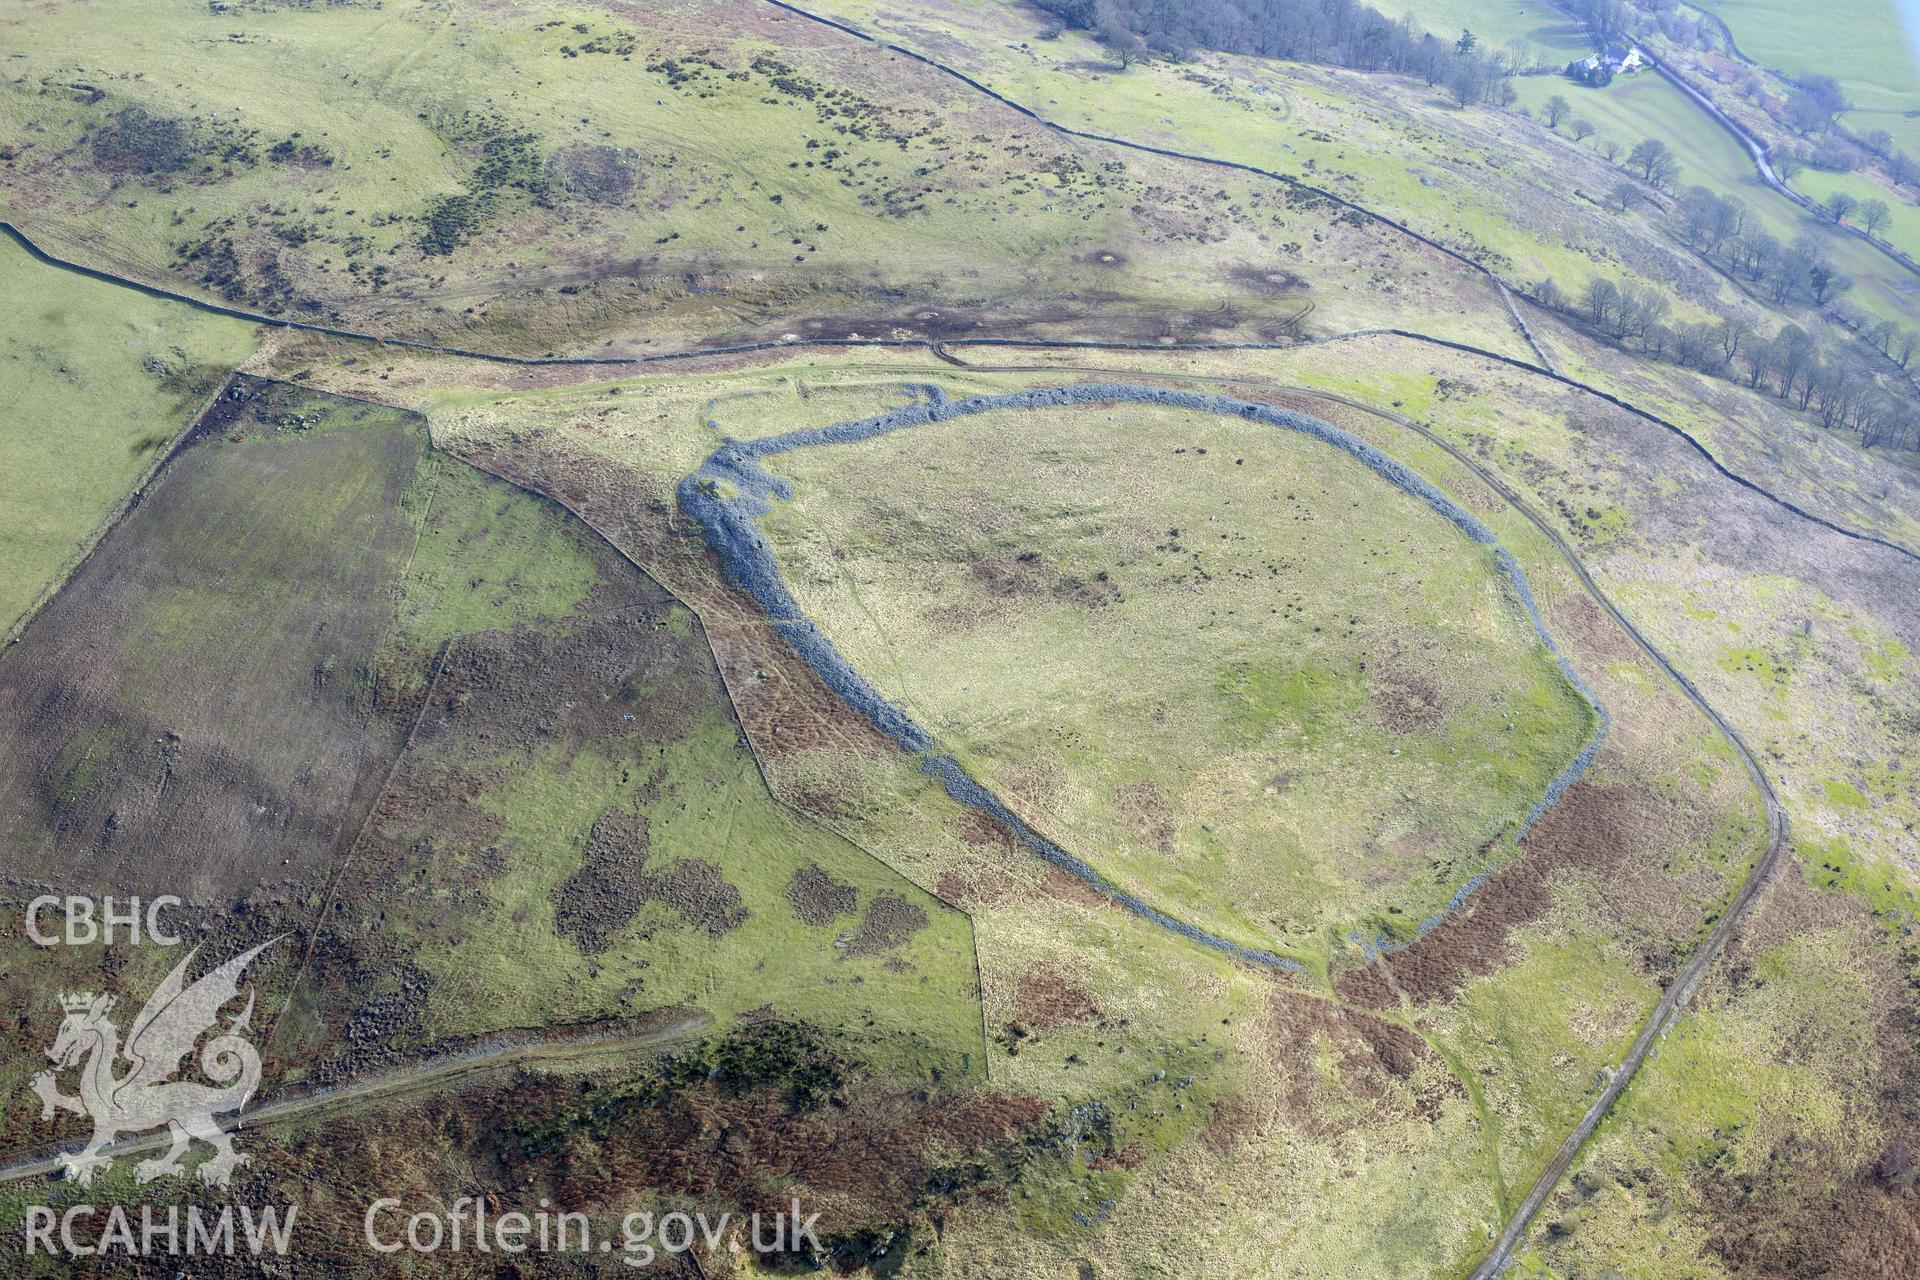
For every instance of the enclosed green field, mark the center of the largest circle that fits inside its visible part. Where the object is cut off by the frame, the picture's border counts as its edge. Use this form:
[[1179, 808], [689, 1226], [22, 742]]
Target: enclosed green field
[[1542, 33], [199, 704], [326, 671], [1867, 45], [1321, 710], [1902, 229], [1643, 106], [97, 381]]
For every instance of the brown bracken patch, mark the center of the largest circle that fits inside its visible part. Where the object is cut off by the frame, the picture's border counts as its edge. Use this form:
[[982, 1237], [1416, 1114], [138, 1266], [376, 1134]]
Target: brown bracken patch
[[982, 830], [1592, 827], [1148, 812], [890, 920], [1045, 998], [1230, 1122], [1579, 619], [817, 898], [1060, 884], [596, 903], [977, 882], [1406, 700], [1378, 1067]]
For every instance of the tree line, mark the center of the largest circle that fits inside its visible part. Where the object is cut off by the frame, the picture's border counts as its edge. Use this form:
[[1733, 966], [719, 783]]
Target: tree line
[[1339, 33], [1840, 389], [1837, 388]]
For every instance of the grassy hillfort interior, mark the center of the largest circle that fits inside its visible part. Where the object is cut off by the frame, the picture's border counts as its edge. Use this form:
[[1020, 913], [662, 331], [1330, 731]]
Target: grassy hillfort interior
[[1003, 638]]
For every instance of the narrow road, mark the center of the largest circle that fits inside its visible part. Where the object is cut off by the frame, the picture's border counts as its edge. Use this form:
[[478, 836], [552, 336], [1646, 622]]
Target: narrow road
[[432, 1074]]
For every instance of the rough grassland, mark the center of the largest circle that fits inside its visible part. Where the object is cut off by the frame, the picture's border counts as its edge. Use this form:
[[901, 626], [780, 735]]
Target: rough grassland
[[216, 705], [1322, 705], [1398, 1156], [1763, 1137], [1481, 181], [1756, 435], [194, 714], [1195, 1073], [97, 381], [719, 169]]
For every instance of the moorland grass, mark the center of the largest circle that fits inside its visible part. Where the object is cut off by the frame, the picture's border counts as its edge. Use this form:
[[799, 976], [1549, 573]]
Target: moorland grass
[[363, 153], [1466, 178], [507, 965], [1794, 1055], [1277, 749], [1381, 1193]]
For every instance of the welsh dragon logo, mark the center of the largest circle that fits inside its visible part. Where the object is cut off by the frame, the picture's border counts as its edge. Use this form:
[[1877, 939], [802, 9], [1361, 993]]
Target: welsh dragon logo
[[146, 1097]]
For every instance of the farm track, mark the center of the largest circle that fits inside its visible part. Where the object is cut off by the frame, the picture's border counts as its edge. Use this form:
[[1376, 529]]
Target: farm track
[[1672, 1003], [431, 1074]]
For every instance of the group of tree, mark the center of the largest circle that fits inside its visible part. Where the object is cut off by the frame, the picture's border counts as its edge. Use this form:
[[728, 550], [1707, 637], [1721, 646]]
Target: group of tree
[[1724, 230], [1341, 33], [1840, 389], [1351, 34], [1813, 110]]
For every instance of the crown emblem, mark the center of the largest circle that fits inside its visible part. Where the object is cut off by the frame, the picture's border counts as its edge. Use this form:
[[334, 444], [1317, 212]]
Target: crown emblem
[[78, 1002]]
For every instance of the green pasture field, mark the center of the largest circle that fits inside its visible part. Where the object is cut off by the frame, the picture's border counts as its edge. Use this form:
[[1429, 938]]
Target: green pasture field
[[499, 960], [1791, 1056], [1867, 45], [234, 612], [1902, 229], [1643, 106], [509, 817], [97, 381], [1545, 34], [228, 617]]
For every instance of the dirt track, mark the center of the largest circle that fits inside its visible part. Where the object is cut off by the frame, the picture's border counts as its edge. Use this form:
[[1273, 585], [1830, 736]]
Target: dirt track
[[427, 1075]]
